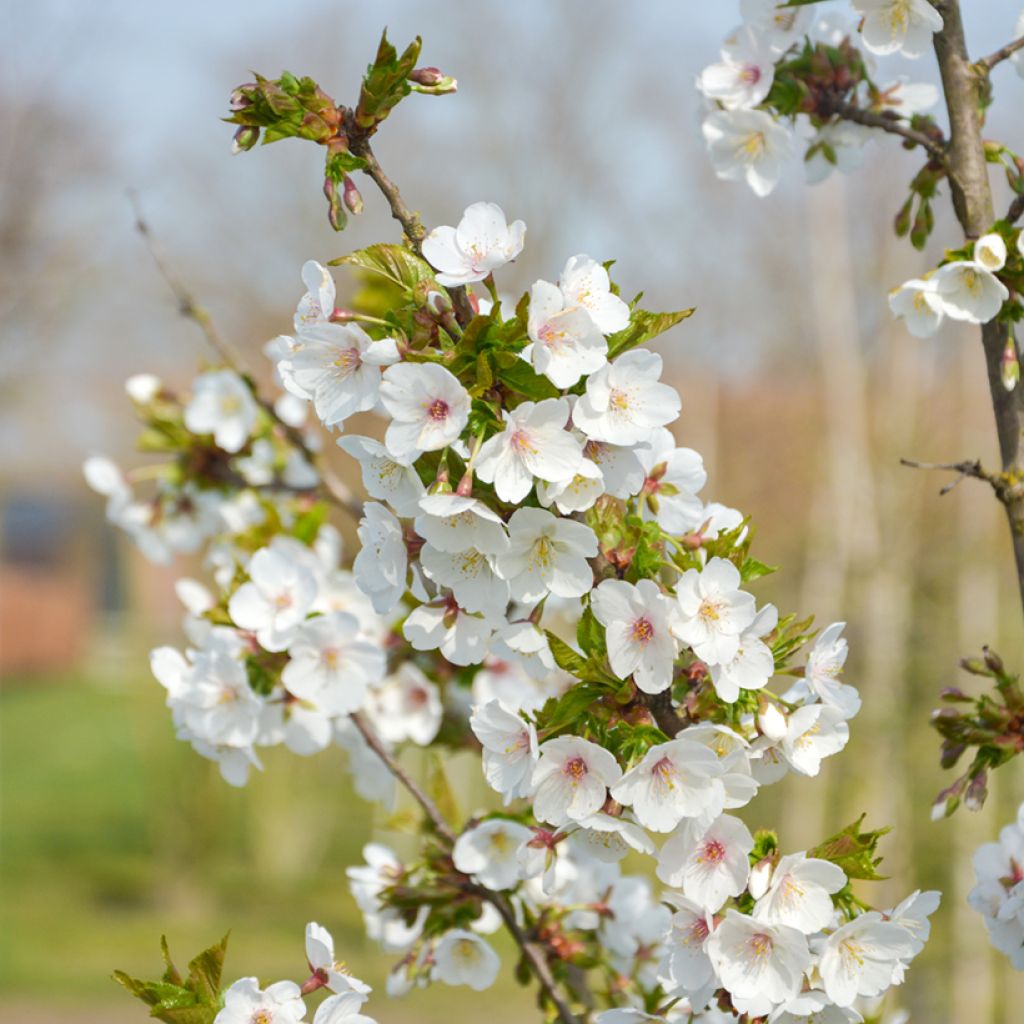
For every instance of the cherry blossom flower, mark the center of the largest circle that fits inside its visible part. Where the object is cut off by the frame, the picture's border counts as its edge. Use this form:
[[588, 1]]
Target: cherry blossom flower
[[482, 243], [621, 471], [838, 146], [571, 779], [382, 563], [584, 283], [487, 851], [824, 665], [143, 387], [317, 305], [639, 637], [753, 664], [470, 576], [321, 959], [384, 476], [406, 706], [218, 704], [609, 839], [672, 781], [743, 77], [337, 367], [275, 598], [687, 963], [713, 611], [565, 343], [917, 304], [749, 145], [673, 477], [625, 400], [302, 726], [461, 636], [966, 290], [904, 26], [330, 665], [575, 495], [510, 749], [858, 959], [912, 914], [454, 523], [990, 252], [800, 893], [342, 1009], [815, 731], [245, 1002], [222, 405], [779, 26], [999, 870], [761, 964], [428, 406], [710, 864], [509, 682], [533, 444], [366, 882], [547, 555], [462, 958]]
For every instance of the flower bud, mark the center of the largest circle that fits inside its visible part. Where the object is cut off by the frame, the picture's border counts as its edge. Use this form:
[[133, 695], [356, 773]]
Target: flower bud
[[760, 877], [990, 252], [440, 303], [977, 791], [951, 753], [143, 387], [245, 138], [336, 210], [241, 97], [433, 81], [353, 200], [771, 721], [1009, 365], [993, 661]]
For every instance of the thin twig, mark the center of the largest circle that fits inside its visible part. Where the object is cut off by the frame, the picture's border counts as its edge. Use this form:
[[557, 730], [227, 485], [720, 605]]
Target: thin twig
[[335, 490], [986, 64], [965, 469], [887, 123]]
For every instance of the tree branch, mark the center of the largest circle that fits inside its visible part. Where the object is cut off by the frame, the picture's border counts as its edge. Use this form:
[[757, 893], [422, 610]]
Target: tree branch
[[531, 953], [986, 64], [886, 123], [335, 490]]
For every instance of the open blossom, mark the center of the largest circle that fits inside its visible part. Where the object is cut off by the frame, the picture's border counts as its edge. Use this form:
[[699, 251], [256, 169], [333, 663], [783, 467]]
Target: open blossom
[[966, 290], [367, 882], [406, 706], [565, 343], [815, 731], [572, 779], [673, 781], [639, 637], [917, 304], [577, 494], [317, 305], [470, 576], [800, 893], [452, 522], [859, 958], [584, 283], [686, 960], [778, 25], [488, 852], [274, 600], [461, 636], [749, 145], [912, 914], [622, 474], [713, 611], [462, 958], [999, 871], [838, 146], [743, 77], [217, 703], [382, 564], [338, 367], [824, 665], [222, 405], [331, 665], [321, 959], [904, 26], [428, 406], [625, 400], [673, 478], [534, 444], [759, 963], [384, 476], [510, 749], [547, 555], [753, 663], [609, 839], [482, 243], [245, 1002], [709, 864], [342, 1009]]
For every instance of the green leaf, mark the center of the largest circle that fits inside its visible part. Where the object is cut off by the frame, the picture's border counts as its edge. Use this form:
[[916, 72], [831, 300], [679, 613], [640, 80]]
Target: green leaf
[[204, 972], [386, 82], [521, 378], [752, 569], [565, 711], [644, 326], [590, 635], [399, 265], [171, 973], [565, 657], [852, 850], [440, 791]]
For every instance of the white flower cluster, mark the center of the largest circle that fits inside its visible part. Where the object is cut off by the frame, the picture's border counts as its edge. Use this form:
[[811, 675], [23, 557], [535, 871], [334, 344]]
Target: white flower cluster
[[965, 290], [283, 1002], [748, 142], [999, 893]]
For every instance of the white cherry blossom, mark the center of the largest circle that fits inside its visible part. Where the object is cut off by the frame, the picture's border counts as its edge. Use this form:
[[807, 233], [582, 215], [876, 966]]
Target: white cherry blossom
[[859, 958], [406, 706], [709, 863], [222, 405], [625, 400], [966, 290], [245, 1002], [382, 564], [534, 444], [462, 958], [487, 851], [454, 523], [672, 479], [743, 77], [509, 749], [565, 343], [461, 636], [217, 703], [429, 408], [384, 476], [638, 632], [470, 576], [342, 1009], [687, 963], [778, 25], [904, 26], [274, 600], [571, 779], [917, 304], [317, 305], [483, 242], [713, 611], [584, 283], [575, 495], [815, 731], [749, 145], [824, 665], [320, 957], [990, 252], [622, 473], [800, 893], [609, 838], [753, 664]]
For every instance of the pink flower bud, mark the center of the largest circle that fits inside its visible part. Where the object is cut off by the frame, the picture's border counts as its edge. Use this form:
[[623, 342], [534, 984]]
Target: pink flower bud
[[353, 200]]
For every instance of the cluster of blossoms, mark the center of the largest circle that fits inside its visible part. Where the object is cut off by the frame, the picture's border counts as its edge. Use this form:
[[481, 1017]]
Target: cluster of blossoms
[[538, 579], [999, 894]]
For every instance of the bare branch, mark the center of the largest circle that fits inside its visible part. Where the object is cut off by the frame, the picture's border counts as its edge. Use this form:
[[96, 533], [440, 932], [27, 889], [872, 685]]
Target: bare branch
[[335, 490], [963, 469], [532, 953], [887, 123], [1016, 210], [986, 64]]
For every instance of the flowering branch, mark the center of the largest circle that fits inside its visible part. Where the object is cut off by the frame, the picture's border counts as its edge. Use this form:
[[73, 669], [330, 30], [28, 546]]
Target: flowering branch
[[986, 64], [887, 122]]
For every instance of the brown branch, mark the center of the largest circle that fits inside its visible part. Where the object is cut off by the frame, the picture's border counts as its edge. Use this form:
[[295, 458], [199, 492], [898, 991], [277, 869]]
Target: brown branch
[[887, 123], [664, 713], [972, 201], [531, 952], [1016, 210], [986, 64], [335, 490], [1007, 488]]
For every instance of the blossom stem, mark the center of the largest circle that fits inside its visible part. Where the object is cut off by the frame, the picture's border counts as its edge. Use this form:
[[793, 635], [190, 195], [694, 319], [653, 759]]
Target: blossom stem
[[887, 123], [986, 64]]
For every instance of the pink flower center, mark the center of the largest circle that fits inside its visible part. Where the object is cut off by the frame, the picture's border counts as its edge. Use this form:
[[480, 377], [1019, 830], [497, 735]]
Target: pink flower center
[[522, 442], [712, 851], [575, 769], [761, 945], [643, 630], [438, 410], [751, 74]]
